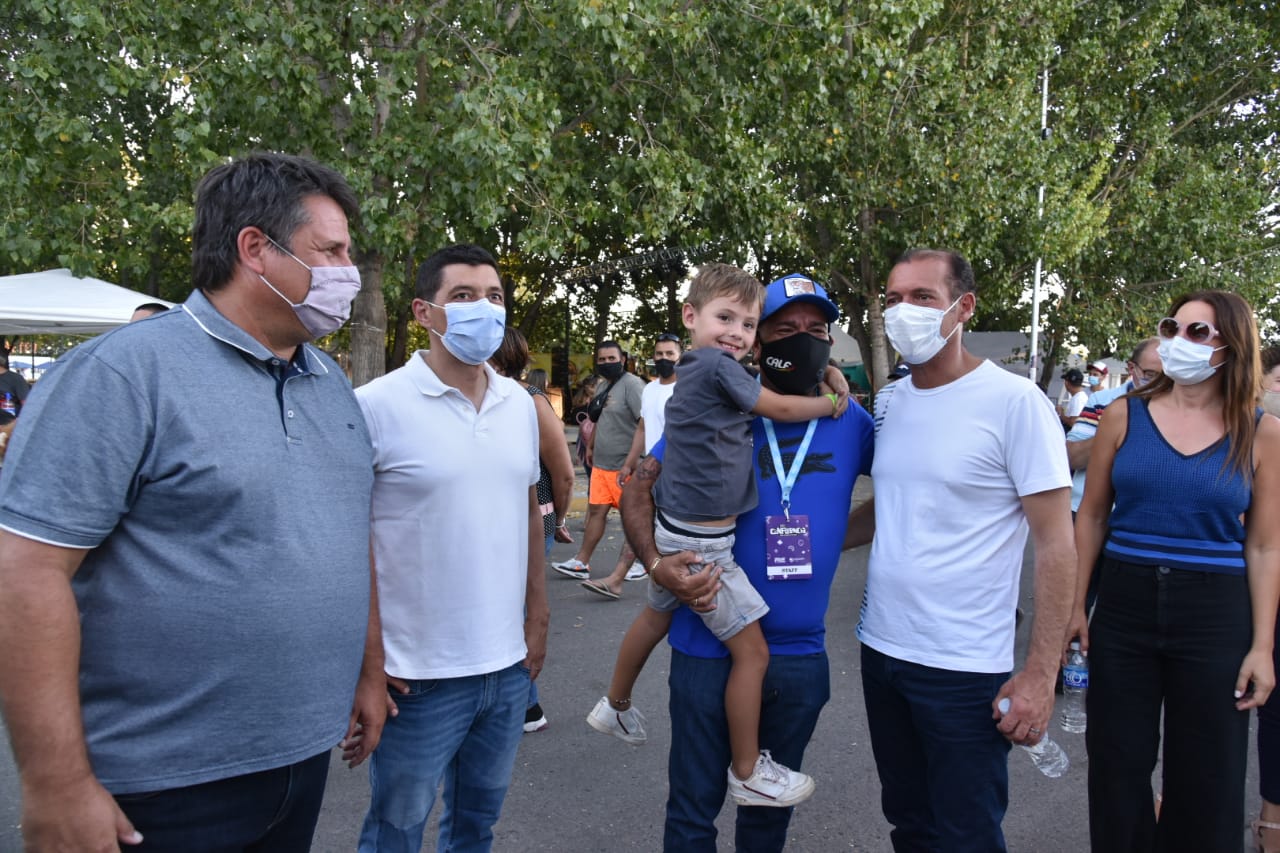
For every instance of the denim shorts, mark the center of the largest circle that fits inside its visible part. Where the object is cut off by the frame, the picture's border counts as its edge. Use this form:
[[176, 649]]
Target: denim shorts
[[737, 603]]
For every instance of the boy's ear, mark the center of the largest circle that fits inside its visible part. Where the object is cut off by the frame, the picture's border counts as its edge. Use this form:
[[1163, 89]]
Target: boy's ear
[[687, 314]]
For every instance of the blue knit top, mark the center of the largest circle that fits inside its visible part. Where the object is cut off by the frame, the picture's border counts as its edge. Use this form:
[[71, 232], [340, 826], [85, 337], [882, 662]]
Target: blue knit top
[[1175, 510]]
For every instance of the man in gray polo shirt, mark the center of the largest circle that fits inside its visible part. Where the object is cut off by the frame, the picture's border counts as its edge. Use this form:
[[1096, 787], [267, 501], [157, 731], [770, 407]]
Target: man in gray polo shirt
[[184, 534], [606, 452]]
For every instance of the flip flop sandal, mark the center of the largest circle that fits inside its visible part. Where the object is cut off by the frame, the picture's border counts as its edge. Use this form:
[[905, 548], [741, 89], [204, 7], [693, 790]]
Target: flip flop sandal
[[600, 589]]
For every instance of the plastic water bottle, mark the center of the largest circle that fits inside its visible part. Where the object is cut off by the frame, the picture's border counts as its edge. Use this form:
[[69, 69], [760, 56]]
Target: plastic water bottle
[[1047, 755], [1075, 681]]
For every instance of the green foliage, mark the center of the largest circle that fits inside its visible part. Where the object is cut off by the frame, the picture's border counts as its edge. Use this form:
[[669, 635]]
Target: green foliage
[[823, 137]]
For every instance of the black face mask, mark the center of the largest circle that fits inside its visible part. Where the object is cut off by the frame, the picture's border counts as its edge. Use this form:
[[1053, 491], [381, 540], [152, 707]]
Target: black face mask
[[795, 364], [611, 371], [665, 367]]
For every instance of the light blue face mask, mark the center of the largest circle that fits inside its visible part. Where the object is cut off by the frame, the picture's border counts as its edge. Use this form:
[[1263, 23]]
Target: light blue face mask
[[475, 329]]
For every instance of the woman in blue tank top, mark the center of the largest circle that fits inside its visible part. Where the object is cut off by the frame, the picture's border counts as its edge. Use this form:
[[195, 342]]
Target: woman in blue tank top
[[1181, 502]]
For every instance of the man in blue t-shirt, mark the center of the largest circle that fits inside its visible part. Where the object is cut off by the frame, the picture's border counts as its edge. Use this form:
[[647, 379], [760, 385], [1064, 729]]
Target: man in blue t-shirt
[[793, 340]]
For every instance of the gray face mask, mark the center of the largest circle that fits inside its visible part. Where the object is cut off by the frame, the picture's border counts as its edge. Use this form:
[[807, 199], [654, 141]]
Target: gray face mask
[[327, 304], [1271, 402]]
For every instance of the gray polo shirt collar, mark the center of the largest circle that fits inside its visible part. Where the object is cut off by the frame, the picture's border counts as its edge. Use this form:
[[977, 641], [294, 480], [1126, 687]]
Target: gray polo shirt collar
[[218, 327]]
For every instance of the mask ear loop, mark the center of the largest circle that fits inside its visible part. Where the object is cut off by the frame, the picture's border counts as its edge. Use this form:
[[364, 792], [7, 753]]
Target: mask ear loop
[[959, 322]]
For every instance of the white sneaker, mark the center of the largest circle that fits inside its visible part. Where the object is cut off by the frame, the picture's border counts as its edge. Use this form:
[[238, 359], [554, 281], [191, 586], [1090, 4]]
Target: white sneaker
[[573, 568], [534, 719], [637, 572], [625, 725], [770, 784]]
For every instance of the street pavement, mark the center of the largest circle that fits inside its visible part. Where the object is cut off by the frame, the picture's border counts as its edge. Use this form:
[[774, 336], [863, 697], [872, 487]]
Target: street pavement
[[577, 791]]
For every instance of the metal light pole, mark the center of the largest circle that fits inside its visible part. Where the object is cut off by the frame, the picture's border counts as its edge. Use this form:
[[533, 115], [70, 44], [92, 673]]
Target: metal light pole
[[1035, 288]]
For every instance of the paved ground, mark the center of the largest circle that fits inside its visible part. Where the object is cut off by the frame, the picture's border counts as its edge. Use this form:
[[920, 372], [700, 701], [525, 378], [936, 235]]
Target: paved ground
[[576, 791]]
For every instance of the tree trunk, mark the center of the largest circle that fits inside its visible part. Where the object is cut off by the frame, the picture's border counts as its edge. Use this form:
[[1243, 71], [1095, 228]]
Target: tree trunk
[[533, 309], [1048, 358], [865, 325], [398, 352], [671, 277], [369, 323], [606, 290], [870, 290], [396, 344]]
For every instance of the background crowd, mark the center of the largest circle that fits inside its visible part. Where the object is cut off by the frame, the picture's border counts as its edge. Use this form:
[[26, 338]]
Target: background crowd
[[379, 557]]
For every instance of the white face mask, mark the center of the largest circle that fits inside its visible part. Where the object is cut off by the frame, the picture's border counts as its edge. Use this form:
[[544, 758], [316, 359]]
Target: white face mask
[[1271, 402], [1186, 363], [916, 331]]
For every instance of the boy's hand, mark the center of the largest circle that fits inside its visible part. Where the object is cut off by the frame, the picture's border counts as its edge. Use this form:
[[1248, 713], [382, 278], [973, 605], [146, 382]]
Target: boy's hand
[[833, 381]]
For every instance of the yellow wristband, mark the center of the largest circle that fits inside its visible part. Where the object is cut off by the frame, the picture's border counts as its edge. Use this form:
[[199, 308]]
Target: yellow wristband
[[835, 402], [654, 564]]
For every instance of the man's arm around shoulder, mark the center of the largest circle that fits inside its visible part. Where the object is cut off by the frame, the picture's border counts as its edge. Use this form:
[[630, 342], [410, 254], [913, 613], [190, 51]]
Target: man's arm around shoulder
[[63, 806], [862, 524]]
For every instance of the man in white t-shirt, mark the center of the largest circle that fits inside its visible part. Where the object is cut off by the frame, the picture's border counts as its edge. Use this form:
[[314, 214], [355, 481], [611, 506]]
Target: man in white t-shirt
[[457, 546], [1074, 397], [653, 419], [653, 402], [968, 458]]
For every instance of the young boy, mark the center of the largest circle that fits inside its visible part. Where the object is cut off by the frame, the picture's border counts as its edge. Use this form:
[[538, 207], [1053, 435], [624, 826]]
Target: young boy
[[706, 483]]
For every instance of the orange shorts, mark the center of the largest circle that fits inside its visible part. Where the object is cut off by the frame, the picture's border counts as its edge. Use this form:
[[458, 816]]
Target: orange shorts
[[604, 488]]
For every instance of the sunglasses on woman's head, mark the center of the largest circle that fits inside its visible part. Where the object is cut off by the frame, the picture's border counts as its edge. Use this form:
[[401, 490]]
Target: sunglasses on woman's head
[[1197, 332]]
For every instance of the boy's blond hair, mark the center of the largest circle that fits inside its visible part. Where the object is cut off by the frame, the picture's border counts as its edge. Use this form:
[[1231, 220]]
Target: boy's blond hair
[[715, 280]]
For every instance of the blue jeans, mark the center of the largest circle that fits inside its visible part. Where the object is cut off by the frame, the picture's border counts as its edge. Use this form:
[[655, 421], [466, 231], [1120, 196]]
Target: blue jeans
[[1167, 639], [943, 765], [795, 689], [463, 731], [264, 812]]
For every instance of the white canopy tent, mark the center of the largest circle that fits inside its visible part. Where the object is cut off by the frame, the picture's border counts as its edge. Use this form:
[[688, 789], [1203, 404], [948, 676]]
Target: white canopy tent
[[58, 303]]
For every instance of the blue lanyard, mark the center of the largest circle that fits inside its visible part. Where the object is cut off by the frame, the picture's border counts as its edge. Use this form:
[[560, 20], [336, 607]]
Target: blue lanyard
[[788, 477]]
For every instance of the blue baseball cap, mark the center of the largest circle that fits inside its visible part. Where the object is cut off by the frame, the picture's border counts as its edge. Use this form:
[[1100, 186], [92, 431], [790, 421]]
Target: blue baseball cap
[[797, 288]]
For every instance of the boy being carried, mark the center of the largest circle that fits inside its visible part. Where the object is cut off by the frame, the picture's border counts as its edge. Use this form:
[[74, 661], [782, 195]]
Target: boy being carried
[[707, 482]]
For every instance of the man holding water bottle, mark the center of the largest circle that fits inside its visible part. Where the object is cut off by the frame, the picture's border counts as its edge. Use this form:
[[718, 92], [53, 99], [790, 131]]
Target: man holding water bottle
[[969, 457]]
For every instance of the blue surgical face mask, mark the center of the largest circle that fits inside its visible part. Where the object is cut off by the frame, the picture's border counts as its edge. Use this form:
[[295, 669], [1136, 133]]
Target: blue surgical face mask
[[474, 330], [1094, 381]]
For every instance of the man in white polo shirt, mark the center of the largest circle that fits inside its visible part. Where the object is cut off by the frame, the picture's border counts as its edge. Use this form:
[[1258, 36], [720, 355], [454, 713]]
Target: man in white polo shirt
[[457, 546]]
